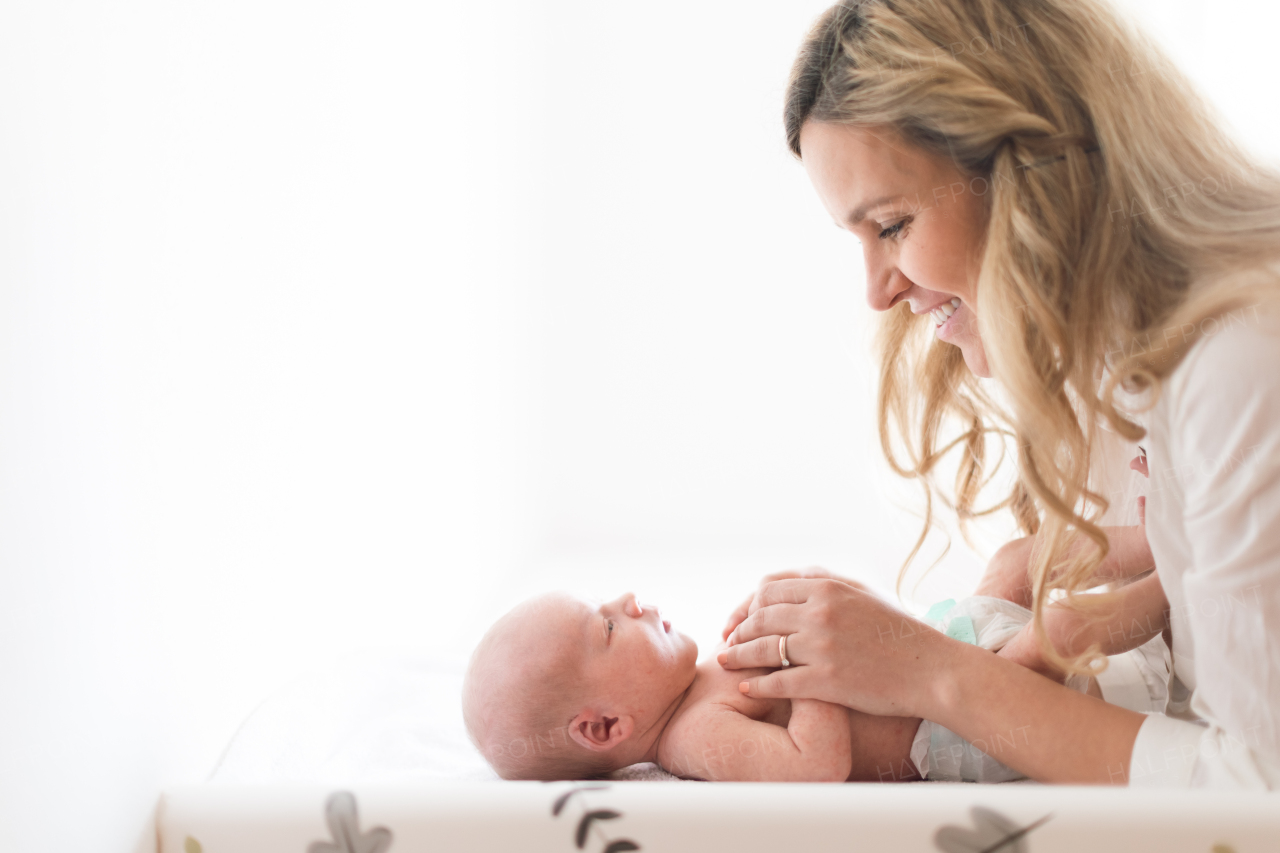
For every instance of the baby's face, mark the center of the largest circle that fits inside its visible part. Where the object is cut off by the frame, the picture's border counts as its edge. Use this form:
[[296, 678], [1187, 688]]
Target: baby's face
[[624, 651]]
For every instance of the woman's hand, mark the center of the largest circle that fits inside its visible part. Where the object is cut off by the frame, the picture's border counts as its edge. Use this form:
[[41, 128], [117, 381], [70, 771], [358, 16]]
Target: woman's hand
[[742, 610], [845, 645], [851, 648]]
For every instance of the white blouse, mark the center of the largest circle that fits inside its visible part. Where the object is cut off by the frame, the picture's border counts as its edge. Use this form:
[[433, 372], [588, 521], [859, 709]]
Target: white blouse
[[1213, 522]]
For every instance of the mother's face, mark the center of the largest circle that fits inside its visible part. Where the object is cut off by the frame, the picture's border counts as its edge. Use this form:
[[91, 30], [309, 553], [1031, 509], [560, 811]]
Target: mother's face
[[921, 224]]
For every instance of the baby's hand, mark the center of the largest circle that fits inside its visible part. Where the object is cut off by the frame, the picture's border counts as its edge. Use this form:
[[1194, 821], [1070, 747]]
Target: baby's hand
[[743, 610]]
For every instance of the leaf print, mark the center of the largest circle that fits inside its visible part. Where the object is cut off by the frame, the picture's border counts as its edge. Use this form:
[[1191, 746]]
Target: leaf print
[[622, 845], [341, 814], [993, 833], [589, 815], [191, 846], [564, 798], [584, 826]]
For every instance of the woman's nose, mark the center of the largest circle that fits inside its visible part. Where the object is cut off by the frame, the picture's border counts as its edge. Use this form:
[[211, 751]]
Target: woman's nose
[[884, 282]]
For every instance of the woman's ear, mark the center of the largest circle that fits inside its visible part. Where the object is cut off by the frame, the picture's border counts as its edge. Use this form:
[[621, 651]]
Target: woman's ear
[[599, 732]]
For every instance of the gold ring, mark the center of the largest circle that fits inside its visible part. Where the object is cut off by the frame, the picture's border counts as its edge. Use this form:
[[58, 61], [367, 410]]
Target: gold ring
[[782, 650]]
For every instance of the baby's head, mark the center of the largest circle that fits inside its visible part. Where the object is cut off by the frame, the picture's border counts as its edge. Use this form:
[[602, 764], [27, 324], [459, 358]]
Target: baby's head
[[562, 688]]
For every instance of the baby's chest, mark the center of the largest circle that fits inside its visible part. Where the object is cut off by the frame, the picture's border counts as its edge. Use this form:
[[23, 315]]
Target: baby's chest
[[711, 729], [720, 686]]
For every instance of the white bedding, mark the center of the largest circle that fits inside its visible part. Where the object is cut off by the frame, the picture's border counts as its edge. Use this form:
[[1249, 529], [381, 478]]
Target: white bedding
[[371, 754], [363, 719], [367, 720]]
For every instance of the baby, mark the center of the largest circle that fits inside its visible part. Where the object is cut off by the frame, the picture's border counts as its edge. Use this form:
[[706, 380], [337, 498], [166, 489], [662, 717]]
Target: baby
[[560, 688]]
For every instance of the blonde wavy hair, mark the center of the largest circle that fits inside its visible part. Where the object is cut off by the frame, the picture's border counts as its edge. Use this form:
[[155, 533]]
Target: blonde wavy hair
[[1117, 210]]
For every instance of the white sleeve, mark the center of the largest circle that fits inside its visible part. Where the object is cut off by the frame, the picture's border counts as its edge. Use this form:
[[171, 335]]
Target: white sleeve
[[1225, 447]]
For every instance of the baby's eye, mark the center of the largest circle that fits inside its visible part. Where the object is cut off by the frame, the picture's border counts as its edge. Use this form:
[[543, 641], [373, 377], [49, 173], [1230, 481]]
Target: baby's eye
[[610, 624]]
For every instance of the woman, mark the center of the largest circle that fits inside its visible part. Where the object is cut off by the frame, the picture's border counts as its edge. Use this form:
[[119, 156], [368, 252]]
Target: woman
[[1041, 200]]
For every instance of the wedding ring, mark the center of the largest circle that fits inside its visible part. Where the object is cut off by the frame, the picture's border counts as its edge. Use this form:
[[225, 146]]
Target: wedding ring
[[782, 650]]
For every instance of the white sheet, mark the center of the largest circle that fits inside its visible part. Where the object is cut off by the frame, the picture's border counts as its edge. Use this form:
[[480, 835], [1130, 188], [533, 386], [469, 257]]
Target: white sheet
[[364, 719], [367, 720], [378, 743]]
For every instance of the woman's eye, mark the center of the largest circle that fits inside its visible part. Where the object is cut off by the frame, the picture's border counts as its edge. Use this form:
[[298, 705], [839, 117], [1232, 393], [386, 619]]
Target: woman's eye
[[894, 229]]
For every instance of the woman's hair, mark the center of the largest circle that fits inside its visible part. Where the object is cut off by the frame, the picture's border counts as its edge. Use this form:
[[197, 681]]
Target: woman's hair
[[1120, 218]]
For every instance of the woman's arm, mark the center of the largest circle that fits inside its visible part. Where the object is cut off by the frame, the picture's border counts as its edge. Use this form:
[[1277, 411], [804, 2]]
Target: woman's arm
[[1040, 728], [1216, 476], [1129, 555], [1142, 608], [1142, 611], [852, 648]]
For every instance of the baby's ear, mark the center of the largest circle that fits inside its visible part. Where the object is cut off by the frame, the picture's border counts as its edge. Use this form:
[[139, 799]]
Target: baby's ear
[[600, 732]]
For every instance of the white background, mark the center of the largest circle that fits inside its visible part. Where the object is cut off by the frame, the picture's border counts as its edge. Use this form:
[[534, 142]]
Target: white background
[[334, 326]]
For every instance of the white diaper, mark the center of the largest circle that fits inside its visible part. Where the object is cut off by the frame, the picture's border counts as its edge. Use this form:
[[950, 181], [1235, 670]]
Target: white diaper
[[1137, 680]]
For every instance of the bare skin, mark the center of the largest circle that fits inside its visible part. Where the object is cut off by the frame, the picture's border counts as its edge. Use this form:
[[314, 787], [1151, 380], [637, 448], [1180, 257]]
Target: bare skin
[[853, 648], [719, 734], [1140, 611], [922, 224], [923, 246], [643, 698]]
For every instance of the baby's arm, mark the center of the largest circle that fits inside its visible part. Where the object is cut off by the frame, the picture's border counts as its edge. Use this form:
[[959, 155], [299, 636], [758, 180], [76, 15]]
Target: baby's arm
[[720, 744]]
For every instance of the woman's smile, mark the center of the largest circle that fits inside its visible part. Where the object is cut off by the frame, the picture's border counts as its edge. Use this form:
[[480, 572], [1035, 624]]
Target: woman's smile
[[862, 175], [943, 313]]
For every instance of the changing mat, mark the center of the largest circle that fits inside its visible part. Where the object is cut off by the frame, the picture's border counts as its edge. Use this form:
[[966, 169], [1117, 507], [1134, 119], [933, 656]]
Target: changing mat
[[370, 756], [612, 817]]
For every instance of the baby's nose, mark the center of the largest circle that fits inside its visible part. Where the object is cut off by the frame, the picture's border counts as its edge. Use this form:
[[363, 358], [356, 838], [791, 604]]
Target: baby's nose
[[632, 607]]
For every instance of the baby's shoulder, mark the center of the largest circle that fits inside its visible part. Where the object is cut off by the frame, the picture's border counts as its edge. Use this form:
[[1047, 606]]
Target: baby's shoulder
[[702, 722], [716, 717], [715, 701]]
